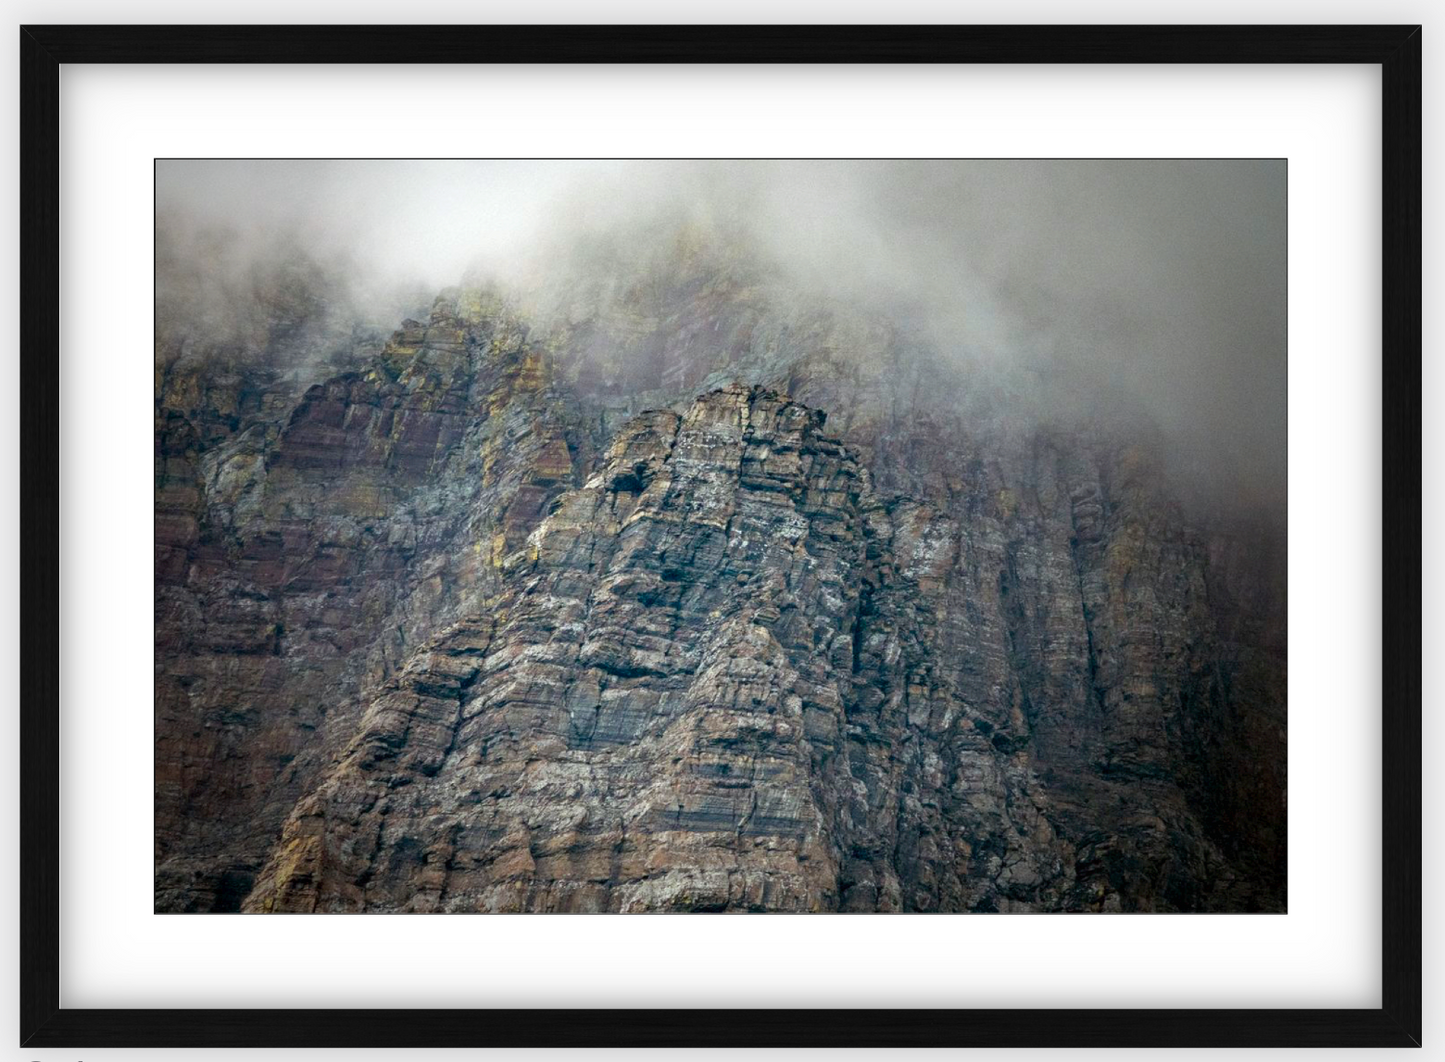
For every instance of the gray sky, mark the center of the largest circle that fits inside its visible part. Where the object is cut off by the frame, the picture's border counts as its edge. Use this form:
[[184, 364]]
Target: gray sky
[[1165, 277]]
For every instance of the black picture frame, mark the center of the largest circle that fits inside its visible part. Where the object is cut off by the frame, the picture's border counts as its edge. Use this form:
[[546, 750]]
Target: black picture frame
[[45, 1023]]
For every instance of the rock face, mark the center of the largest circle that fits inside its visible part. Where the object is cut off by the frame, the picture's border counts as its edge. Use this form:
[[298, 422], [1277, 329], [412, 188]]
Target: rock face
[[467, 628]]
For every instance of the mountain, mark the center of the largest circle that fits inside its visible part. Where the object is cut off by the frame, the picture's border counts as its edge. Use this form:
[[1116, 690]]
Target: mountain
[[682, 589]]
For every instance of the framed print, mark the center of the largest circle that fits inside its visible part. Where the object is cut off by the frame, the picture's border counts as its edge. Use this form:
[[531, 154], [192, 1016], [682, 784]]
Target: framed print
[[762, 505]]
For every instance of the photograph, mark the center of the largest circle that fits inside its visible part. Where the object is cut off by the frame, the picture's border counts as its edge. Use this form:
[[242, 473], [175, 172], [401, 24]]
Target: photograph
[[752, 536]]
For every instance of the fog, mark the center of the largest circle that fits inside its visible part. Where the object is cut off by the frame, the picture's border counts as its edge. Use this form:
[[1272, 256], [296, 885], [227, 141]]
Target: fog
[[1163, 280]]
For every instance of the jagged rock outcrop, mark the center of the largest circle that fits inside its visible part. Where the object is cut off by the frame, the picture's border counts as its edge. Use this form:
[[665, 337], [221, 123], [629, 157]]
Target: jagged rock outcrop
[[300, 560], [717, 679], [468, 627]]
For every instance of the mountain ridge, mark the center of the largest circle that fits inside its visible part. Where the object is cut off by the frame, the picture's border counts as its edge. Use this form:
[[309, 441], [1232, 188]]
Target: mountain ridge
[[1088, 682]]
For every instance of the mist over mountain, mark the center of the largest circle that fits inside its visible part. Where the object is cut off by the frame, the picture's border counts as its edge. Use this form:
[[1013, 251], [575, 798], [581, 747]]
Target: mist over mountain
[[720, 536], [1157, 286]]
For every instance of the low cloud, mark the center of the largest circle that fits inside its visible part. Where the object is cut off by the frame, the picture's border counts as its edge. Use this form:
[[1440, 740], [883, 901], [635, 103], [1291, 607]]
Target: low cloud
[[1161, 280]]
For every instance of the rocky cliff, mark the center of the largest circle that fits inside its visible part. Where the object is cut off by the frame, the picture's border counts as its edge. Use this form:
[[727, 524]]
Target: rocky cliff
[[694, 601]]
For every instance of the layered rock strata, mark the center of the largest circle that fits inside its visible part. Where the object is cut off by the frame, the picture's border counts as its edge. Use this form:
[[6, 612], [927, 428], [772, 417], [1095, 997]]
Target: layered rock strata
[[465, 629]]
